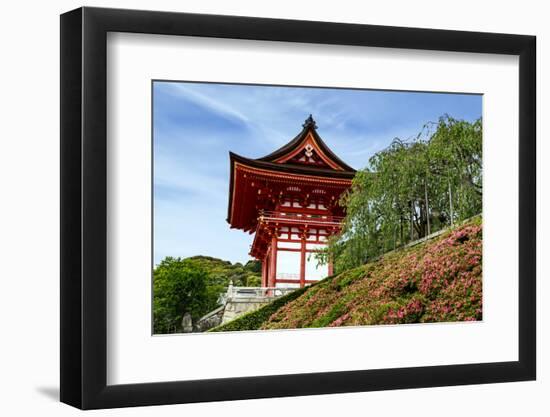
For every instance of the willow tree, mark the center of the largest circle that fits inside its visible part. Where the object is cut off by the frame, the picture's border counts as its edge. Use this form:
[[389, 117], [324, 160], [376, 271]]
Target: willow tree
[[456, 148], [409, 190]]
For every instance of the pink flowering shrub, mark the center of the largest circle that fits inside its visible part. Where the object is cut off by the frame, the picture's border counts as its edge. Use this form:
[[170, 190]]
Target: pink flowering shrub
[[437, 281]]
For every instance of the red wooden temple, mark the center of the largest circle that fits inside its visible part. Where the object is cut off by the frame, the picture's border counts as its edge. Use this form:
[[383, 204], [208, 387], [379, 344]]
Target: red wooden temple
[[289, 199]]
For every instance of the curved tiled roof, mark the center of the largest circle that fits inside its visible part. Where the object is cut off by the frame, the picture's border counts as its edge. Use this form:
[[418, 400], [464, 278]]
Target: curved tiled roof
[[309, 126]]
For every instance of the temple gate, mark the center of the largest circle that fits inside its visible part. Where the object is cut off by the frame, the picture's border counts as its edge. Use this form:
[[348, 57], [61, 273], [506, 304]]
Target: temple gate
[[289, 200]]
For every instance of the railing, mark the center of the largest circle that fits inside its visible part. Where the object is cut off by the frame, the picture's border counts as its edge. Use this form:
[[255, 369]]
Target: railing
[[253, 292], [285, 275]]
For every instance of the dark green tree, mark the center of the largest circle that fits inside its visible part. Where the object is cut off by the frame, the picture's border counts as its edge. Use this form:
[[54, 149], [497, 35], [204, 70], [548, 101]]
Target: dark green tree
[[179, 288], [409, 190]]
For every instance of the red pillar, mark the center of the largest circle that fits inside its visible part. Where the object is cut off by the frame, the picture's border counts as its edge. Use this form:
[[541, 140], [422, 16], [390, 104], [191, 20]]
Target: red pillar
[[264, 272], [303, 264], [273, 262]]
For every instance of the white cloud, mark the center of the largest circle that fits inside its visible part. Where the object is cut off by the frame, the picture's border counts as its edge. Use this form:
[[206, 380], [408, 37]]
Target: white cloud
[[210, 103]]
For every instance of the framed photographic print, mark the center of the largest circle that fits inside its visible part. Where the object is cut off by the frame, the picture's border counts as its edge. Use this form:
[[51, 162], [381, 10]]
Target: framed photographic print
[[257, 208]]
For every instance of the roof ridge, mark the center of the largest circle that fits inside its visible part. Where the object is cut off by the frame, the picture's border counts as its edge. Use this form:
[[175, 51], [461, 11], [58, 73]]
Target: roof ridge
[[309, 126]]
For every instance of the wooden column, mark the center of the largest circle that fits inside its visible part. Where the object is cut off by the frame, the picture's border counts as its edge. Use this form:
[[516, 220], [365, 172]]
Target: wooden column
[[264, 272], [273, 262], [303, 263], [267, 269]]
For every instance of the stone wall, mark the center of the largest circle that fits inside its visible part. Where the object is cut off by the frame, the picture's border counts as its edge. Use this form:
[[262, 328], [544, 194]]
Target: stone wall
[[235, 302], [212, 319], [238, 306]]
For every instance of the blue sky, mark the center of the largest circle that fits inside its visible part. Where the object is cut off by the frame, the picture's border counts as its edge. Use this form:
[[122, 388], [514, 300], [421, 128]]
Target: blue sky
[[197, 124]]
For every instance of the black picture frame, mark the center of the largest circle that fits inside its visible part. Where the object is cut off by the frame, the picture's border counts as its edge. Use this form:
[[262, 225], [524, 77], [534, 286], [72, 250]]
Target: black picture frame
[[84, 207]]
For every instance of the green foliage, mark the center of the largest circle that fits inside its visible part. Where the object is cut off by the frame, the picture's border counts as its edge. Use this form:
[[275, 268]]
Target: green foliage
[[193, 285], [409, 190], [335, 311], [179, 287]]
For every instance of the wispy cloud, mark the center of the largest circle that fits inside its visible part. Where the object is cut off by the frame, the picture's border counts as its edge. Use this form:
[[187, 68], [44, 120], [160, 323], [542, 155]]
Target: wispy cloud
[[189, 92]]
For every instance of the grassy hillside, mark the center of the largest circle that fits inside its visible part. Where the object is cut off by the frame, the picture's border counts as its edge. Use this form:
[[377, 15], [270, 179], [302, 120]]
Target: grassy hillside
[[438, 280]]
